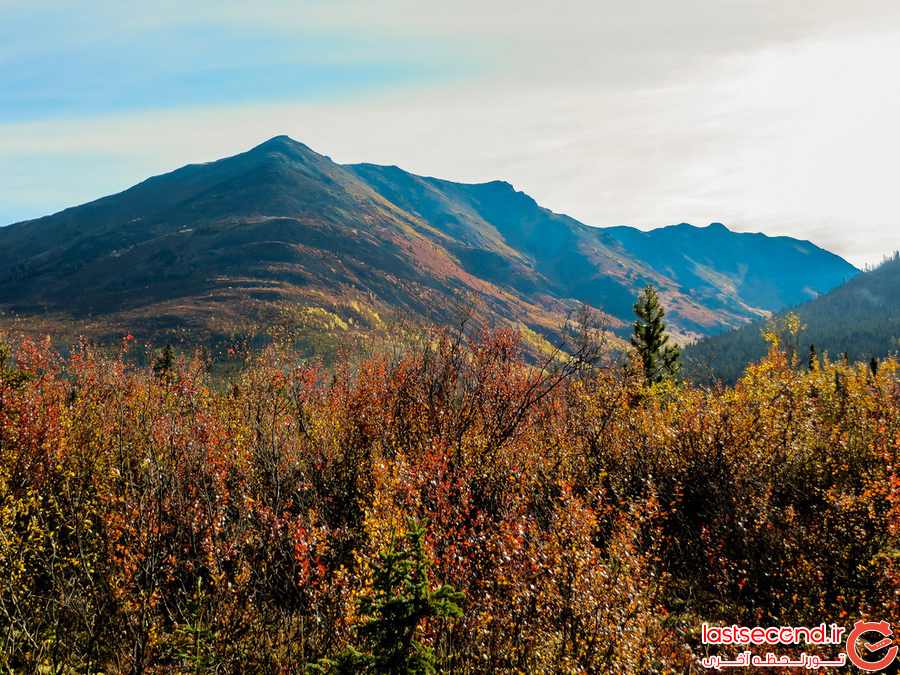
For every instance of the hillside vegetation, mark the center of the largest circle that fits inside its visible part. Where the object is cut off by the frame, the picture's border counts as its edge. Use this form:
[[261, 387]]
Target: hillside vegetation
[[859, 320], [447, 506]]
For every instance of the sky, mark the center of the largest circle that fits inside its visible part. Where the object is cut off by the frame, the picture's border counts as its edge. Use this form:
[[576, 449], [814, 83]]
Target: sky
[[769, 116]]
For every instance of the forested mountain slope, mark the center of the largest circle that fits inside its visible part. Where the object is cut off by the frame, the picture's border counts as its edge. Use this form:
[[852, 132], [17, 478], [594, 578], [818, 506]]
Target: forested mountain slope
[[860, 319]]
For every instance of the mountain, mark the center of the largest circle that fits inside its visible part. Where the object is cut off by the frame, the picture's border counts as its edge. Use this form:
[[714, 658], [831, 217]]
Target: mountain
[[860, 319], [737, 270], [282, 234], [710, 278]]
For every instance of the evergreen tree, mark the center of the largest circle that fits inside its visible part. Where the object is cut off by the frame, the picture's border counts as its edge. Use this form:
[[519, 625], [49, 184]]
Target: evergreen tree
[[659, 358], [400, 600]]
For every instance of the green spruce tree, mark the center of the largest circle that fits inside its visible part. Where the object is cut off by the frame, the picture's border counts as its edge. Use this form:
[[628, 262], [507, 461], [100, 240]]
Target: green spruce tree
[[401, 599], [659, 358]]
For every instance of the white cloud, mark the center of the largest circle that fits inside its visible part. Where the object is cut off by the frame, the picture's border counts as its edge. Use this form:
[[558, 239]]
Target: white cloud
[[770, 116]]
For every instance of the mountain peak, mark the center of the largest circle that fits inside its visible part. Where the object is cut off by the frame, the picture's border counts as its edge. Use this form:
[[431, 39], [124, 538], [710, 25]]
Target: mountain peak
[[282, 143]]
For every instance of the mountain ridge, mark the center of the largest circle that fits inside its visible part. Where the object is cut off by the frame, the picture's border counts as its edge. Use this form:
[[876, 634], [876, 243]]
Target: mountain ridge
[[289, 226]]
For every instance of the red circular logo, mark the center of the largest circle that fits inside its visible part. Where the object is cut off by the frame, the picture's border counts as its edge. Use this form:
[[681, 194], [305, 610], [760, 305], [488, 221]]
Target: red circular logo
[[883, 628]]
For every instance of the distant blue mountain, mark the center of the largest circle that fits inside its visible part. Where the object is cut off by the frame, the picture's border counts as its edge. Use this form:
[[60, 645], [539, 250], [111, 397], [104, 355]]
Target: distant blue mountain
[[720, 265]]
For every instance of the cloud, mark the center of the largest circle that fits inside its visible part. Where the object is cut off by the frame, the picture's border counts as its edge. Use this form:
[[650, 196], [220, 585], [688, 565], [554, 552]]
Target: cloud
[[768, 116]]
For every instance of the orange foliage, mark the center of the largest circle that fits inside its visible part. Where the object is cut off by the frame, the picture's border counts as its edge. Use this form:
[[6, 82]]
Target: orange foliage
[[169, 522]]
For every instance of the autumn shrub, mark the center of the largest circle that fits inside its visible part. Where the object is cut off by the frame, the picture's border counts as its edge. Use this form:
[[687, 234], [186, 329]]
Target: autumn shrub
[[160, 520]]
